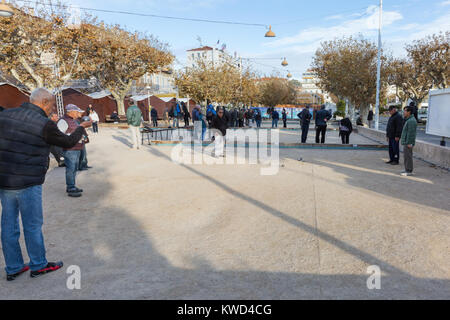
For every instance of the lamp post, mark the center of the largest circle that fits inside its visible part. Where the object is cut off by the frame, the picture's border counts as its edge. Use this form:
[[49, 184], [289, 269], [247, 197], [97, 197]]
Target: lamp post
[[5, 10], [377, 107]]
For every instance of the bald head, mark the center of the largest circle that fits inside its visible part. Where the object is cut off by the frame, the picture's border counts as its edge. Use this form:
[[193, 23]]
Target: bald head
[[43, 98]]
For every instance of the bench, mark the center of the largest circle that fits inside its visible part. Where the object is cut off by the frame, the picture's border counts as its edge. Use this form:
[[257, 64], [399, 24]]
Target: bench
[[122, 119]]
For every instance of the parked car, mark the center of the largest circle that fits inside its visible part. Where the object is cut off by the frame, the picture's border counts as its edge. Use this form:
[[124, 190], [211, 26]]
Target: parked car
[[422, 114]]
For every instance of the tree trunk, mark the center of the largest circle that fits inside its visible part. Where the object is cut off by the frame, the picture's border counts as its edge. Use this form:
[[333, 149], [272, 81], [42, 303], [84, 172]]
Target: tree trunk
[[119, 97], [364, 112]]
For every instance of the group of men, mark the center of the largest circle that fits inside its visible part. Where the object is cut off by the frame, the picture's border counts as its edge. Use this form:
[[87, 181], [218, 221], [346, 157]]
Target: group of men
[[24, 161]]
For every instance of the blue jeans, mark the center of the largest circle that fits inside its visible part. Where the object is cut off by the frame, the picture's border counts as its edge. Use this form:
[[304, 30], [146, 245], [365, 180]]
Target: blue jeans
[[72, 160], [29, 203], [274, 123]]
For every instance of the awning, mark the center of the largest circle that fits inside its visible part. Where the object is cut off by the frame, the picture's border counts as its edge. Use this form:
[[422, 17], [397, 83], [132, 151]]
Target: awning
[[100, 94]]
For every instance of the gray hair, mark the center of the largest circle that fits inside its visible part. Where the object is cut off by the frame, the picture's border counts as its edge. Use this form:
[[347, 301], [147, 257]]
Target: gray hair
[[40, 95]]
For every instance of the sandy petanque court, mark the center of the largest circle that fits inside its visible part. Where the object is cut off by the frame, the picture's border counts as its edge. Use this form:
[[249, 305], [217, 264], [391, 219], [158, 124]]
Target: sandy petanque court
[[149, 228]]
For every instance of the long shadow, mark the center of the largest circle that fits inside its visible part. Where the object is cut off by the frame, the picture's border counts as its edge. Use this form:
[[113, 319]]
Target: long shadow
[[363, 256], [123, 140], [363, 174]]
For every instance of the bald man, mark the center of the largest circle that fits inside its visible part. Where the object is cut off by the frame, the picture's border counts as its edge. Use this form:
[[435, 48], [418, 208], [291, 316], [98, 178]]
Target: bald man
[[26, 134]]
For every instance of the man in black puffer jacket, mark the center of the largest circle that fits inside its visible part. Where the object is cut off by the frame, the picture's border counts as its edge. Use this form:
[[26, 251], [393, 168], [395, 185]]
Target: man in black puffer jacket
[[26, 134], [393, 133]]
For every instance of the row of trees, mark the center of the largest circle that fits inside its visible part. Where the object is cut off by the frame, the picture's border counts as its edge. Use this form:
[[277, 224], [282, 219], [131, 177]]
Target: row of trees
[[347, 68], [229, 83], [34, 41]]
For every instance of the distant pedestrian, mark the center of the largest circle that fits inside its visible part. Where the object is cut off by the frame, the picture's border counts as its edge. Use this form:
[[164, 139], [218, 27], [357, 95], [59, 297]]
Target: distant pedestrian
[[275, 118], [408, 140], [284, 116], [220, 123], [1, 108], [154, 115], [115, 117], [393, 133], [258, 118], [186, 114], [241, 118], [234, 118], [166, 117], [370, 118], [345, 130], [305, 121], [322, 118], [95, 120], [134, 119]]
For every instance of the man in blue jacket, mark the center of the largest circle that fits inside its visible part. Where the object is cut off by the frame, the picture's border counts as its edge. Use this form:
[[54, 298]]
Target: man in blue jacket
[[322, 118]]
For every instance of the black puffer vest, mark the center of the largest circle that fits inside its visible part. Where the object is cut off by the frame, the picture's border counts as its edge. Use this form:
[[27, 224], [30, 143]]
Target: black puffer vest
[[24, 155]]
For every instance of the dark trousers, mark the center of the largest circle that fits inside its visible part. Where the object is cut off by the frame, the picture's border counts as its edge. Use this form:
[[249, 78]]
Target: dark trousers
[[155, 122], [186, 121], [394, 150], [305, 130], [258, 123], [284, 123], [345, 136], [95, 127], [321, 130], [57, 152], [83, 164]]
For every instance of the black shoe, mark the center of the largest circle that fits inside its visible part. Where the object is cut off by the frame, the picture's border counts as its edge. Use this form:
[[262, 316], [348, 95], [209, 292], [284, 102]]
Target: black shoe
[[74, 194], [51, 266], [394, 163], [389, 162], [12, 277], [75, 190]]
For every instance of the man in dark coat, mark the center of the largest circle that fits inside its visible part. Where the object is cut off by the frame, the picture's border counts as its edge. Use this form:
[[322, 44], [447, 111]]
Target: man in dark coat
[[322, 118], [220, 123], [305, 120], [394, 133], [26, 134]]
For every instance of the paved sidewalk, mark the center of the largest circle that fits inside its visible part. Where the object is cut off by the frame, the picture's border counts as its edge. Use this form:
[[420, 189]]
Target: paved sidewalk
[[147, 228]]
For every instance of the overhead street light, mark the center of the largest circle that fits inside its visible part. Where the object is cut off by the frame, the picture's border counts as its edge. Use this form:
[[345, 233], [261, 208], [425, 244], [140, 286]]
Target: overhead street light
[[5, 10], [270, 33], [284, 63]]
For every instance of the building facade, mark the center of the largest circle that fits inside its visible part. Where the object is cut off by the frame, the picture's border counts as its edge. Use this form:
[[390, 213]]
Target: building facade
[[310, 88]]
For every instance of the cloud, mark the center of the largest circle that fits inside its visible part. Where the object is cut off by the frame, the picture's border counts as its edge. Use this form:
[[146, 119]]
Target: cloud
[[309, 39], [445, 3]]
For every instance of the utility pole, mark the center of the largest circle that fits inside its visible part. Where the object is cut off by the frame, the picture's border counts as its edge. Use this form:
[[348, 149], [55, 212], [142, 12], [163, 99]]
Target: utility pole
[[377, 107]]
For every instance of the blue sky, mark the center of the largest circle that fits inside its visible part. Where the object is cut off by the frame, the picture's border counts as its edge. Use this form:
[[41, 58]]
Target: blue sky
[[300, 25]]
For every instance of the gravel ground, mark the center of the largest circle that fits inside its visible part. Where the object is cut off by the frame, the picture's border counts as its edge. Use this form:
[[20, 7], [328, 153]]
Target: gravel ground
[[148, 228]]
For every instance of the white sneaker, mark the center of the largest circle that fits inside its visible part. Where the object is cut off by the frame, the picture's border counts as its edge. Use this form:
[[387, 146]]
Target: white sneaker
[[406, 174]]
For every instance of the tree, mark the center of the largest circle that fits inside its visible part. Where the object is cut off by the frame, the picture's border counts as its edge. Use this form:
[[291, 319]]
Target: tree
[[31, 35], [411, 80], [347, 68], [275, 91], [119, 57], [432, 55], [222, 83]]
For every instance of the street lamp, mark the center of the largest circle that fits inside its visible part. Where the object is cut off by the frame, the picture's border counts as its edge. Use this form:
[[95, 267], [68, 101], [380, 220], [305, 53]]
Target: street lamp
[[270, 33], [5, 10], [284, 63]]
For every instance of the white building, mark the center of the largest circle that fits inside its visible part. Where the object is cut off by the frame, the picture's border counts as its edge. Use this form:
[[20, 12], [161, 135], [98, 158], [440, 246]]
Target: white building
[[160, 82], [208, 54], [309, 84]]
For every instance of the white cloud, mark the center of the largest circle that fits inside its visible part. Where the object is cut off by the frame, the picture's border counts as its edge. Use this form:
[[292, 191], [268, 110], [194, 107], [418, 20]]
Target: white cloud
[[308, 40], [445, 3]]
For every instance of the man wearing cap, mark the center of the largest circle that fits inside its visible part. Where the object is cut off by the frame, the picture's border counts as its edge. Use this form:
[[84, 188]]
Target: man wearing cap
[[68, 124], [26, 134]]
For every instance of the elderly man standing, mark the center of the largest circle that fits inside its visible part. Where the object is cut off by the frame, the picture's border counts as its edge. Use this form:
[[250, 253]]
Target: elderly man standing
[[26, 134], [68, 124], [134, 119]]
